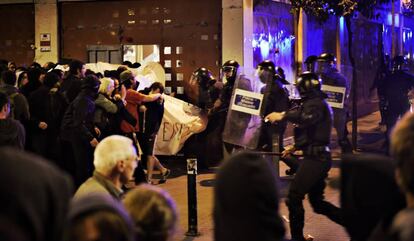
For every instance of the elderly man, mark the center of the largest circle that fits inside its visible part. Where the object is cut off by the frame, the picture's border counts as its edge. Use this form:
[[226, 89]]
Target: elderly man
[[115, 160]]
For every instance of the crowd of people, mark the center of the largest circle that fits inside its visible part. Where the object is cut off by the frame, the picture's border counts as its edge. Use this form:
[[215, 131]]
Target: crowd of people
[[63, 116], [91, 133]]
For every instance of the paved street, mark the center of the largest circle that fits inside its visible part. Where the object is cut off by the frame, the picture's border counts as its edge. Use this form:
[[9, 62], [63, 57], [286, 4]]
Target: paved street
[[318, 226]]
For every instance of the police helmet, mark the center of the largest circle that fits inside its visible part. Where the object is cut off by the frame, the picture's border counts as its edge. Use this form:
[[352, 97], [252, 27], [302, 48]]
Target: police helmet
[[327, 57], [308, 83], [267, 65], [204, 77], [231, 67], [311, 59]]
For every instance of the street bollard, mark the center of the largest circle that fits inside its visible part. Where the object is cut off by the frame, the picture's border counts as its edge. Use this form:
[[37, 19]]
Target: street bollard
[[192, 197], [276, 148]]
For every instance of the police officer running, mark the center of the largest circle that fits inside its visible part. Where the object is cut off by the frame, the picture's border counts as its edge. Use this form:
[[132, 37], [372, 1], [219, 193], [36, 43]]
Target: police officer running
[[330, 76], [313, 121]]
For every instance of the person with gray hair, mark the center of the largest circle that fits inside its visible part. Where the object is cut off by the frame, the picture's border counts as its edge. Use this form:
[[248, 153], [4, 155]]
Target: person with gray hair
[[115, 160]]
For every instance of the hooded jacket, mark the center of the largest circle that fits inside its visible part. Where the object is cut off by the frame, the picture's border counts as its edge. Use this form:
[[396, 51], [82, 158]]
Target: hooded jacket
[[34, 195], [78, 120], [246, 201], [369, 195]]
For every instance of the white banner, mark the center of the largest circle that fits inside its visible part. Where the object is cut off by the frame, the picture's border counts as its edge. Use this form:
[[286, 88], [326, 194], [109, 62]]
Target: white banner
[[145, 74], [180, 121], [336, 95]]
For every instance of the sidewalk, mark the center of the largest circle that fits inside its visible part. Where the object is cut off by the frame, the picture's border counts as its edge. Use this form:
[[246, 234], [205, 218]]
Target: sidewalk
[[370, 140]]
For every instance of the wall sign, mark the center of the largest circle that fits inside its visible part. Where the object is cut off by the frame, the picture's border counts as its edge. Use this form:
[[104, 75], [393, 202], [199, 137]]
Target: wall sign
[[45, 45]]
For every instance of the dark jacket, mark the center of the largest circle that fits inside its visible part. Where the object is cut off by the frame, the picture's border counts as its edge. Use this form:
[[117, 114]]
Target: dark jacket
[[276, 100], [47, 105], [153, 115], [314, 122], [12, 133], [20, 107], [397, 85], [71, 87], [370, 197], [35, 195], [78, 118], [246, 201]]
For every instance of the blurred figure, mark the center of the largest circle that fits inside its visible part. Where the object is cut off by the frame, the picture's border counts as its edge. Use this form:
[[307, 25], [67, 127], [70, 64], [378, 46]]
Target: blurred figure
[[331, 76], [246, 200], [12, 132], [402, 228], [98, 217], [402, 141], [397, 87], [35, 195], [115, 160], [153, 211], [369, 196]]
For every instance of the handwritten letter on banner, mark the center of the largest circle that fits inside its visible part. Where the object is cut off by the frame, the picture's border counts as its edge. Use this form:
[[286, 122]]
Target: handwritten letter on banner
[[180, 121]]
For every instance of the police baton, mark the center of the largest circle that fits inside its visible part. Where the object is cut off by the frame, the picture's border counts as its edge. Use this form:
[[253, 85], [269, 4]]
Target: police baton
[[192, 197]]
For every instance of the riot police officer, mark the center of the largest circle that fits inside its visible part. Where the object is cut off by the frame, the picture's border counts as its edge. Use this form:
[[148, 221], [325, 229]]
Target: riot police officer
[[330, 76], [230, 74], [313, 121], [277, 100], [204, 81], [397, 85]]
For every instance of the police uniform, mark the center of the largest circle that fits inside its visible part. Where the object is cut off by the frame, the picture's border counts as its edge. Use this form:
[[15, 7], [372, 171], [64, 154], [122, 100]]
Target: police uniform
[[313, 119], [330, 76], [397, 85]]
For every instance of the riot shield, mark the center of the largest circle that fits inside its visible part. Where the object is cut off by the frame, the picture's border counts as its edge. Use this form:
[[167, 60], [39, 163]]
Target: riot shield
[[244, 116]]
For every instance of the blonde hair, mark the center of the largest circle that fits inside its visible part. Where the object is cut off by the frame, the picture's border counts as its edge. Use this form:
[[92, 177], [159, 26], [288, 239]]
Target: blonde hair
[[106, 83], [153, 212], [111, 150]]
